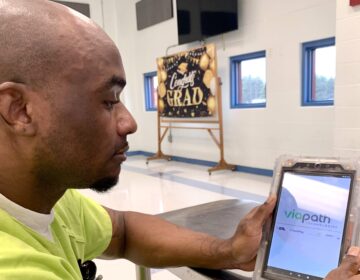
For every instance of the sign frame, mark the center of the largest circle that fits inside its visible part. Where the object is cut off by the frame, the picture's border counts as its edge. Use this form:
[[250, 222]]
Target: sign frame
[[212, 124]]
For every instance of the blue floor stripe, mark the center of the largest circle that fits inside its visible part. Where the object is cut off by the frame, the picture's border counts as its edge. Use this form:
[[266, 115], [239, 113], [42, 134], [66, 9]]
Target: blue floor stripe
[[170, 176], [240, 168]]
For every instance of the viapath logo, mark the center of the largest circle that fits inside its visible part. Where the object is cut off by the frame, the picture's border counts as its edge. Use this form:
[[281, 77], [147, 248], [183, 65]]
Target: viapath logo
[[303, 217]]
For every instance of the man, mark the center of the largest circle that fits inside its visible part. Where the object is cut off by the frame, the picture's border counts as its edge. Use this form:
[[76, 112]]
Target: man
[[63, 126]]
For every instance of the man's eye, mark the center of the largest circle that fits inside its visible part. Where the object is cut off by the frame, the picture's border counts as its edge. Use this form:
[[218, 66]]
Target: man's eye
[[109, 105]]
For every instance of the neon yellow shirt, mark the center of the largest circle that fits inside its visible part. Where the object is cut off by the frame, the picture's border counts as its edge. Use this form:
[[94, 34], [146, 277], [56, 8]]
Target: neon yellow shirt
[[81, 230]]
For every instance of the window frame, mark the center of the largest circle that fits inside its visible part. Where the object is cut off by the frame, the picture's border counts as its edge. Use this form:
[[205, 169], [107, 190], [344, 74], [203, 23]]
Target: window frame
[[148, 91], [308, 49], [234, 79]]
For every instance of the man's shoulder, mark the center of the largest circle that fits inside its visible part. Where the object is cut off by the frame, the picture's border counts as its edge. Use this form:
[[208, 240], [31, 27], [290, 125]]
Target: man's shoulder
[[16, 236], [86, 221], [19, 245], [69, 205], [75, 206], [11, 231], [11, 241], [23, 255], [70, 197], [81, 215], [20, 260]]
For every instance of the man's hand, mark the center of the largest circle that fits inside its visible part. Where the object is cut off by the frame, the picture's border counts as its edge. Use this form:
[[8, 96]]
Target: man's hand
[[349, 267], [246, 241]]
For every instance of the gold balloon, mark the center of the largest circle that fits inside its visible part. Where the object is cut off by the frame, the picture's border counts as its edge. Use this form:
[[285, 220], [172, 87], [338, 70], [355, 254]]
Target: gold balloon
[[207, 78], [163, 75], [161, 105], [210, 50], [162, 90], [211, 104], [213, 66], [213, 86], [204, 62], [160, 63], [183, 68]]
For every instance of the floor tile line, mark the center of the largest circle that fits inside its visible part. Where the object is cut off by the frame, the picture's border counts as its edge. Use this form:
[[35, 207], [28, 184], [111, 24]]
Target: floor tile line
[[169, 176]]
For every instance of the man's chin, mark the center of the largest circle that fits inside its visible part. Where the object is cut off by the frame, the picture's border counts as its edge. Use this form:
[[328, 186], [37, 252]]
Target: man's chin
[[104, 184]]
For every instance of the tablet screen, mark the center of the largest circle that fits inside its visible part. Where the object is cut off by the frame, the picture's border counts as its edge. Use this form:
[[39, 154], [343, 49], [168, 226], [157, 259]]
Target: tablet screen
[[309, 224]]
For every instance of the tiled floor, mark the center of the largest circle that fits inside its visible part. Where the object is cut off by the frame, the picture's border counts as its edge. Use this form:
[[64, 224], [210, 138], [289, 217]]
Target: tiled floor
[[163, 186]]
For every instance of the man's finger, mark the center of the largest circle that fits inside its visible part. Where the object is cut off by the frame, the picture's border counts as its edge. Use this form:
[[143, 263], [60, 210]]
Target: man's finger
[[261, 213], [348, 268], [351, 262]]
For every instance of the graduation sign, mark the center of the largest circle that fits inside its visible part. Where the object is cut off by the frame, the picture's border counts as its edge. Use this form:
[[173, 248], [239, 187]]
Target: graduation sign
[[188, 83]]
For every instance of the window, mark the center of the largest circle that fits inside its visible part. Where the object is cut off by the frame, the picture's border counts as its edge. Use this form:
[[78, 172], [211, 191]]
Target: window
[[248, 80], [151, 84], [318, 72]]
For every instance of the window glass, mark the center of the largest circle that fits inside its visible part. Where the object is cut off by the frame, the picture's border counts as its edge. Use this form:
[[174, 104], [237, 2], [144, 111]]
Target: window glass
[[252, 81], [324, 73], [151, 85], [248, 80], [318, 73]]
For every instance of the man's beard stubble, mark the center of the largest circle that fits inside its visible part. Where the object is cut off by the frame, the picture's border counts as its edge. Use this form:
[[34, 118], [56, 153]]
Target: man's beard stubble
[[104, 184], [47, 175], [46, 159]]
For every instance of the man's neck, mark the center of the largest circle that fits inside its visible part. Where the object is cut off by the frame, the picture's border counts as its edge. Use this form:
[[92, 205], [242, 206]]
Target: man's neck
[[34, 199]]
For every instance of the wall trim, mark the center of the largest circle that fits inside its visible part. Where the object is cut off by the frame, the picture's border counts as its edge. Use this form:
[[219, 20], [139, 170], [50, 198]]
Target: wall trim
[[239, 168]]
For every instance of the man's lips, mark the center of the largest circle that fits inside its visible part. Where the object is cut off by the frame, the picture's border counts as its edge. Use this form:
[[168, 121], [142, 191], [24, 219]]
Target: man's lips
[[121, 152]]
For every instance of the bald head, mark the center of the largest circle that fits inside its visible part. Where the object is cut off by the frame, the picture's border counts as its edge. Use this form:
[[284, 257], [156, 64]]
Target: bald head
[[40, 40], [61, 121]]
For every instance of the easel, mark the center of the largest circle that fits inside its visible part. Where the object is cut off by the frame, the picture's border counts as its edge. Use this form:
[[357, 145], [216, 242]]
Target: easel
[[166, 124]]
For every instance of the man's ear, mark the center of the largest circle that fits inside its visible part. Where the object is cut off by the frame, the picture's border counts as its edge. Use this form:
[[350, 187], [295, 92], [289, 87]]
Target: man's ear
[[14, 108]]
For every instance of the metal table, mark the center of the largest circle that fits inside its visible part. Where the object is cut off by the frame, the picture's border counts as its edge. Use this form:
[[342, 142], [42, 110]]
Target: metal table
[[220, 219]]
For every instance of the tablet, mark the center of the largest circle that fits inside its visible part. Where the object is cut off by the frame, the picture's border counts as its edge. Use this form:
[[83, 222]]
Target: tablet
[[310, 229]]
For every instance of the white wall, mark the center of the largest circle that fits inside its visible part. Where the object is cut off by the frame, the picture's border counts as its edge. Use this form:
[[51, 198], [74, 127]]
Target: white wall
[[255, 137], [347, 85], [252, 137]]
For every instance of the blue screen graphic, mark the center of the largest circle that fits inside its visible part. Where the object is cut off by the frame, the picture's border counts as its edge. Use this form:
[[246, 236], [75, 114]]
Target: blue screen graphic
[[309, 224]]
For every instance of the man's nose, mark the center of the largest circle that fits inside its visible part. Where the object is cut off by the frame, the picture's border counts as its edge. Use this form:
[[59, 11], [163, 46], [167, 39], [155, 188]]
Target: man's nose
[[126, 123]]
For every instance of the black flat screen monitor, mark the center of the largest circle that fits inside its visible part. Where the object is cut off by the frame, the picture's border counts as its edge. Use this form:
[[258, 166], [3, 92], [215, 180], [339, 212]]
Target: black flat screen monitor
[[199, 19]]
